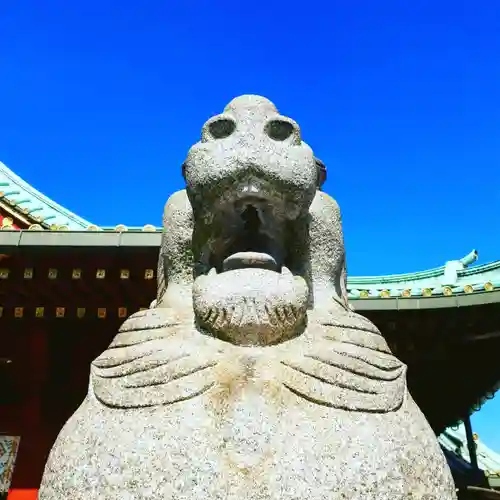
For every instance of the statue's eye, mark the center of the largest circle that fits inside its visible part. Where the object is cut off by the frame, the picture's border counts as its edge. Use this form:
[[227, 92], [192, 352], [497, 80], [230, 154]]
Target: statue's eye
[[280, 130], [221, 128]]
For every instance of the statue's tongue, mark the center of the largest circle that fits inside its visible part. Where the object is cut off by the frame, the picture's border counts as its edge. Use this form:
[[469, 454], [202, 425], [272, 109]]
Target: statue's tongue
[[242, 260]]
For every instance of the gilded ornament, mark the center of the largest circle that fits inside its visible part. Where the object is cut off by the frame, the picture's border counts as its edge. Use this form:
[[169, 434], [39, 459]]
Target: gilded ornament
[[124, 274], [385, 294], [149, 228], [80, 312], [489, 286], [28, 273], [468, 289], [406, 293], [60, 312], [35, 227], [7, 222], [1, 312], [76, 274], [100, 274], [92, 227], [52, 274], [427, 292], [149, 274], [101, 312], [122, 312], [447, 291], [4, 273], [18, 312], [39, 312], [120, 228]]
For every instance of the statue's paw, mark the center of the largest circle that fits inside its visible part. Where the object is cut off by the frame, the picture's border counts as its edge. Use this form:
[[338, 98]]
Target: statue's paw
[[152, 373], [346, 376]]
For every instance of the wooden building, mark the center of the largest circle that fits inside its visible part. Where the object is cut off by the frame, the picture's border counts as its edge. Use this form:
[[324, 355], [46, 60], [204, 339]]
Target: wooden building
[[66, 285]]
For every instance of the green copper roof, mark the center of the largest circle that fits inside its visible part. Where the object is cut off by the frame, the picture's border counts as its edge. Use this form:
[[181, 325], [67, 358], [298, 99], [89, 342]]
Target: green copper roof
[[455, 277], [33, 204]]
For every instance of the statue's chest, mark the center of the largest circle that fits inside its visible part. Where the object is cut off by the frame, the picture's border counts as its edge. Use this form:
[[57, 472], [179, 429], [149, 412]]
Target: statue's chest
[[248, 426]]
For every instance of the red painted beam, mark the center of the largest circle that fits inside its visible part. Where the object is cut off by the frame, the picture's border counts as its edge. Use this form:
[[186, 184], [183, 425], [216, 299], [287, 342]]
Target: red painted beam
[[23, 494]]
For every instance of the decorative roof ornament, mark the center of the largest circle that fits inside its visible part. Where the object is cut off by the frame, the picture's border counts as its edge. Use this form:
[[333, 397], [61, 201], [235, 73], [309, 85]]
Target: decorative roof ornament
[[7, 223], [92, 227], [452, 267], [149, 228], [469, 259], [121, 228]]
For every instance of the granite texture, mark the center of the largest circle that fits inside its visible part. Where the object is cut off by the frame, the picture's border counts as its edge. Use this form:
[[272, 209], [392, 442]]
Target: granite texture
[[249, 377]]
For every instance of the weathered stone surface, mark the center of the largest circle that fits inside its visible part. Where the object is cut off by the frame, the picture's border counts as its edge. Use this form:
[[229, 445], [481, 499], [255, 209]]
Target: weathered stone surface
[[250, 377]]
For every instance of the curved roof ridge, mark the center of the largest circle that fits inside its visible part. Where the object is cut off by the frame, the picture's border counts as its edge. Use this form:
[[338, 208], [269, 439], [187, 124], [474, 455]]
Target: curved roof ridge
[[490, 266], [29, 201], [394, 278]]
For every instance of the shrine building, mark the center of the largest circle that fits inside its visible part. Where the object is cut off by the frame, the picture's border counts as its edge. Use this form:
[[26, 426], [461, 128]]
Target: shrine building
[[66, 285]]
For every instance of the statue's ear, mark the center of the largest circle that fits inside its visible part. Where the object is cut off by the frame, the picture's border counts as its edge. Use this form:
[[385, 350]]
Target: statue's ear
[[321, 172]]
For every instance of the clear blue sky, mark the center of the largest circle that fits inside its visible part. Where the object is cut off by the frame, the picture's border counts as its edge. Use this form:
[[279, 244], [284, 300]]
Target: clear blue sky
[[100, 101]]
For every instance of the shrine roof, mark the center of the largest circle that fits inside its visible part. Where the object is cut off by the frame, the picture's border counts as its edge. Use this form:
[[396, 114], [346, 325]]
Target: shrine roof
[[29, 203], [453, 279], [454, 440]]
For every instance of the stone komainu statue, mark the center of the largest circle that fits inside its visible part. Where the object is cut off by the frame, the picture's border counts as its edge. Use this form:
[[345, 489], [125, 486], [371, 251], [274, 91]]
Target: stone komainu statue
[[249, 377]]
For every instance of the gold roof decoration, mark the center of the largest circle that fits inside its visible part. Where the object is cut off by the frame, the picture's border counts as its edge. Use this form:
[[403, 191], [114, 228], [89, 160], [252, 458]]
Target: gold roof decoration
[[364, 294], [385, 294], [427, 292], [468, 289], [7, 223], [120, 228], [63, 227], [406, 293], [35, 227], [92, 227], [447, 291], [149, 228], [489, 286]]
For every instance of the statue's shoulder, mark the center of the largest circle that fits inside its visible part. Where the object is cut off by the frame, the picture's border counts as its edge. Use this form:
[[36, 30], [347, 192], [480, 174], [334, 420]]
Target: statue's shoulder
[[146, 324]]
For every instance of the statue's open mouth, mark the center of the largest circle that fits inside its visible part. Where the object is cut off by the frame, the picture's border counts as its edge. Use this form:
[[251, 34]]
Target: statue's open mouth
[[253, 235], [249, 287]]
